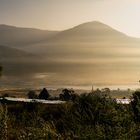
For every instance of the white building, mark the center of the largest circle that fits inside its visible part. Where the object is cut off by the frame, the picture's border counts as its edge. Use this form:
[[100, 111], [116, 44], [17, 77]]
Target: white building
[[123, 101]]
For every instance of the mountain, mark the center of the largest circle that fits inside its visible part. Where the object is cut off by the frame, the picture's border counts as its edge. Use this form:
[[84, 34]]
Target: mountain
[[17, 37], [85, 54], [90, 32], [15, 61], [9, 53], [87, 35], [92, 39]]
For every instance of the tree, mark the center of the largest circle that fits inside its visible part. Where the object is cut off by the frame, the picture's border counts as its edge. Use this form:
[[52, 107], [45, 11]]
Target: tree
[[44, 94], [32, 95], [97, 91], [135, 103], [0, 70], [94, 116], [106, 90], [5, 95], [67, 94]]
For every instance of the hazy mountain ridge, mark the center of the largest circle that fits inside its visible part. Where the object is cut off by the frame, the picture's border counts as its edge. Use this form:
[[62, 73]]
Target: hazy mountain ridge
[[16, 61], [91, 31], [85, 53], [9, 52], [17, 37]]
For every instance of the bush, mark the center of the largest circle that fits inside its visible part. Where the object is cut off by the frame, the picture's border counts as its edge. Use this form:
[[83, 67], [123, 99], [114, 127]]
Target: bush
[[3, 122], [90, 117]]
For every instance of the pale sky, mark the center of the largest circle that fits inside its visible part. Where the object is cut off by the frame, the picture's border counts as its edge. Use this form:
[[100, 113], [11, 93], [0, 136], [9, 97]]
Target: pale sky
[[123, 15]]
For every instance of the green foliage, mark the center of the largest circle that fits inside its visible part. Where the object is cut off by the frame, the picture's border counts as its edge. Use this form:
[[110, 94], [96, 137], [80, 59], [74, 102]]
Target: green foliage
[[3, 122], [89, 117], [46, 132], [136, 105], [68, 94], [97, 117]]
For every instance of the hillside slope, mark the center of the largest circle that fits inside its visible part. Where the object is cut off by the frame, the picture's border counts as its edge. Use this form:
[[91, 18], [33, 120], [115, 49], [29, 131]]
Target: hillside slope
[[17, 37], [88, 53]]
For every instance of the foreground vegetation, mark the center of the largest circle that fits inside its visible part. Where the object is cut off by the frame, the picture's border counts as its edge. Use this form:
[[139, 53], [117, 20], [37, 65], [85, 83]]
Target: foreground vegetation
[[85, 117]]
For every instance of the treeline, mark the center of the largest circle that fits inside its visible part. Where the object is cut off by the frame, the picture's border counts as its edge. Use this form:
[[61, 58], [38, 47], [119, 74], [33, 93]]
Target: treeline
[[65, 94], [88, 117]]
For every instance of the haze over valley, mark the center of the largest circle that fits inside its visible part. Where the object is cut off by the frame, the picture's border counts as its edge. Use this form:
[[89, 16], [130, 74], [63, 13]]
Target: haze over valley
[[90, 53], [69, 69]]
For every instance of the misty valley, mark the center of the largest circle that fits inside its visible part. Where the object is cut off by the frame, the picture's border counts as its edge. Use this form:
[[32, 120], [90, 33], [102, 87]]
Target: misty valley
[[69, 70], [88, 54], [75, 84]]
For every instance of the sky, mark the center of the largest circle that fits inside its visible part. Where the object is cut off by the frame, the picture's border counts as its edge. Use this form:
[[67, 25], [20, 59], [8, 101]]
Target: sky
[[122, 15]]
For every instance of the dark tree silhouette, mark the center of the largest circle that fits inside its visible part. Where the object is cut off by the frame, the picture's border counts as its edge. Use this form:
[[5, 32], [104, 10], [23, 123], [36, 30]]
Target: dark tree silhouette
[[97, 91], [32, 95], [44, 94], [136, 105], [5, 95], [0, 70], [67, 94], [106, 90]]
